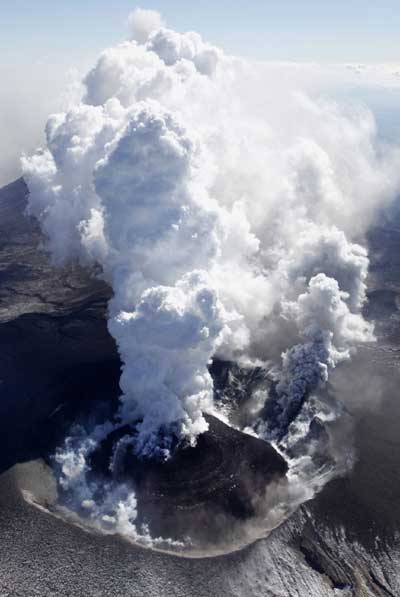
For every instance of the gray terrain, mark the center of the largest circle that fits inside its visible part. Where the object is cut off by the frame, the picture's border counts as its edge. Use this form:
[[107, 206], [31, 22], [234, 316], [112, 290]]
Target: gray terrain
[[56, 358]]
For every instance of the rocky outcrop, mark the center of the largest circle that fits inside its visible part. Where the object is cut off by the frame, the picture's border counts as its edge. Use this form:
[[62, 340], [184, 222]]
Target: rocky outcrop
[[55, 352]]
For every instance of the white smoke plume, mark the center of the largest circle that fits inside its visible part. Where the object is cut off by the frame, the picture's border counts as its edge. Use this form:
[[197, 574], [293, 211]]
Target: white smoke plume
[[226, 211], [110, 507], [330, 330]]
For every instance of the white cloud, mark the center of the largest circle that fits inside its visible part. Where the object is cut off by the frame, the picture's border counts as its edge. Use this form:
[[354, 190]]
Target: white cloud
[[142, 22]]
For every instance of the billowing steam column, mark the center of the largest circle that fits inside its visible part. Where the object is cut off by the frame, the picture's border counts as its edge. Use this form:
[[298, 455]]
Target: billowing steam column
[[165, 315], [145, 216]]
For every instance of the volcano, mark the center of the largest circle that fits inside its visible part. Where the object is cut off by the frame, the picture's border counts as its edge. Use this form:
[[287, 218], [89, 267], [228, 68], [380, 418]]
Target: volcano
[[58, 361]]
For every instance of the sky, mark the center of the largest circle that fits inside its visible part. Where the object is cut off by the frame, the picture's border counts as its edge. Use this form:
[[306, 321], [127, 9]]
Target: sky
[[352, 30], [41, 40]]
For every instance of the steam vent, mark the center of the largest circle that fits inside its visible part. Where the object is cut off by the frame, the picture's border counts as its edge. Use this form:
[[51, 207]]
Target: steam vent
[[53, 327]]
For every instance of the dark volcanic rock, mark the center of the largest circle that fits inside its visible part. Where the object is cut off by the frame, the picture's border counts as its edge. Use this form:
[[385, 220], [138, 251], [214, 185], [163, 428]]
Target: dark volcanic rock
[[28, 282], [56, 356], [200, 490]]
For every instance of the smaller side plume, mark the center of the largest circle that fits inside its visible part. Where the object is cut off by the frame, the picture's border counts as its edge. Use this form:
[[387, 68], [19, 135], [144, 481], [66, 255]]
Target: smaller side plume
[[331, 330]]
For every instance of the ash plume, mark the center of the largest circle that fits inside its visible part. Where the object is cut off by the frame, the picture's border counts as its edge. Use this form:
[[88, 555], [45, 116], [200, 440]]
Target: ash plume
[[226, 214]]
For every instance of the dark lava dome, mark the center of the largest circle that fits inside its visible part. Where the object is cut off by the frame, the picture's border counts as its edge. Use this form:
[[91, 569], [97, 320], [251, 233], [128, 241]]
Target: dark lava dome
[[223, 480]]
